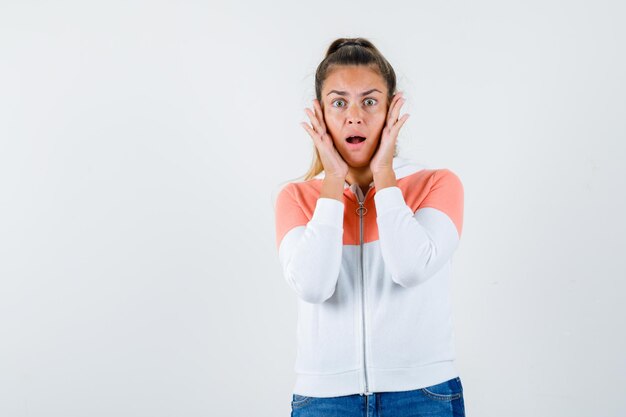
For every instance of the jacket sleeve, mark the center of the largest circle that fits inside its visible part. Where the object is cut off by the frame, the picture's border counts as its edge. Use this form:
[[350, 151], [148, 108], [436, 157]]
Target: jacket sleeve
[[415, 246], [310, 250]]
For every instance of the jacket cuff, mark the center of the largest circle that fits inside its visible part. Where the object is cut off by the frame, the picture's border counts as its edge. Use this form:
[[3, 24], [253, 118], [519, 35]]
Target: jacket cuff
[[389, 198], [328, 211]]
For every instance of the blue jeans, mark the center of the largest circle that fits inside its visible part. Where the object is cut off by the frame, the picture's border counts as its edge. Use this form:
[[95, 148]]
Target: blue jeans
[[439, 400]]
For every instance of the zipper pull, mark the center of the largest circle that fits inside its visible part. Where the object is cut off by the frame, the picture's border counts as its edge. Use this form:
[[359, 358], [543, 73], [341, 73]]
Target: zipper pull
[[361, 210]]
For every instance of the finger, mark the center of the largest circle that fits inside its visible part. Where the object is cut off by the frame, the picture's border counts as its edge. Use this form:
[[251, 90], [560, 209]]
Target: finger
[[390, 114], [314, 122], [310, 131], [320, 113], [396, 107], [397, 126], [320, 117], [396, 111], [394, 100]]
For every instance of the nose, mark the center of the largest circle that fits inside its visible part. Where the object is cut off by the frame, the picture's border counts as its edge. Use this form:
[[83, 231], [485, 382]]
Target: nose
[[354, 115]]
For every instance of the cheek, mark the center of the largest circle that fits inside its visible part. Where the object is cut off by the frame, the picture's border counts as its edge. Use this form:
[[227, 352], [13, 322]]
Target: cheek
[[332, 122], [379, 120]]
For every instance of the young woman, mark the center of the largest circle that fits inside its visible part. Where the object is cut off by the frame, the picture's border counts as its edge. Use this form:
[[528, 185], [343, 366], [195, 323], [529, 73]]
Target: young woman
[[366, 242]]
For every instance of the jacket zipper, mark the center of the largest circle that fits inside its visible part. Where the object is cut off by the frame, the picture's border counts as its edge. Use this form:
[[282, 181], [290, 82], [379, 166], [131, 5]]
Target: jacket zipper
[[361, 210]]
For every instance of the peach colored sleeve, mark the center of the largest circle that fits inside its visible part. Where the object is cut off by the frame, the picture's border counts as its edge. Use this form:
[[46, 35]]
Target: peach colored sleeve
[[447, 195], [289, 213]]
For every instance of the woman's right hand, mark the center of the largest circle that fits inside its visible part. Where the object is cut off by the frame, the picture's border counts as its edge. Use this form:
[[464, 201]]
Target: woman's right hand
[[334, 165]]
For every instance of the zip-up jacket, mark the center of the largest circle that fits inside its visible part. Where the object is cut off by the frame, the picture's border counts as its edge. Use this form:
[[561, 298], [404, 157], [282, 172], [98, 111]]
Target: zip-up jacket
[[372, 277]]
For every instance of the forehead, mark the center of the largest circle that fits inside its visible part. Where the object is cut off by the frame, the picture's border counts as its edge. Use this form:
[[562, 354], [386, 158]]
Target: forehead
[[354, 77]]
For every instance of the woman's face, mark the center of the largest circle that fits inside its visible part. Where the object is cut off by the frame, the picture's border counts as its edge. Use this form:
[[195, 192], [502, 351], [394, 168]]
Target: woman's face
[[354, 102]]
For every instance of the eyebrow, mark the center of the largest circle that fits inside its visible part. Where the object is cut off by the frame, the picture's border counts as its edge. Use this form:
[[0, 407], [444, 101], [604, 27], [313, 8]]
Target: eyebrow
[[345, 93]]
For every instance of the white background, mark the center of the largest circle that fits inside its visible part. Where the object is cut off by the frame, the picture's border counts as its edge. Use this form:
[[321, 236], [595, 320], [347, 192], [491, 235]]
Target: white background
[[142, 144]]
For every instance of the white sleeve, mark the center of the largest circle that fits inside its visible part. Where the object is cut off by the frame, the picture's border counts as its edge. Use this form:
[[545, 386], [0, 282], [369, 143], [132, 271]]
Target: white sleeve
[[414, 246], [311, 255]]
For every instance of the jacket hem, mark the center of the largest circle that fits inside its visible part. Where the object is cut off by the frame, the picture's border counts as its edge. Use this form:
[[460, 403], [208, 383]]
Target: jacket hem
[[379, 380]]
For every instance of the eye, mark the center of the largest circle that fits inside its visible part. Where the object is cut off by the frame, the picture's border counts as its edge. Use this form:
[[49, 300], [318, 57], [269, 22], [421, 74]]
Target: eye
[[370, 101], [339, 103]]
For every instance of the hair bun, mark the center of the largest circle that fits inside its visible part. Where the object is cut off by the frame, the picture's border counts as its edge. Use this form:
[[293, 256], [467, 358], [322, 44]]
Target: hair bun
[[350, 43]]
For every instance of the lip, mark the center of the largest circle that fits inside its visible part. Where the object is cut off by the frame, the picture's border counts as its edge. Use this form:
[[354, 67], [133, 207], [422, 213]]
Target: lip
[[355, 133]]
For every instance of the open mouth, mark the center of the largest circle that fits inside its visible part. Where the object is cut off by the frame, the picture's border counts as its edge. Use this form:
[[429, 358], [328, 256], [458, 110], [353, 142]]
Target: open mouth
[[355, 139]]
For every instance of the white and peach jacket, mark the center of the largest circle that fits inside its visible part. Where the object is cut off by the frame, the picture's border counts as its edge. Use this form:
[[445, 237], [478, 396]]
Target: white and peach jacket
[[372, 276]]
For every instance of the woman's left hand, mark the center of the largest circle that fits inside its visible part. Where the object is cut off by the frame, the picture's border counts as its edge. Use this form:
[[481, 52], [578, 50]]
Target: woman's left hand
[[383, 158]]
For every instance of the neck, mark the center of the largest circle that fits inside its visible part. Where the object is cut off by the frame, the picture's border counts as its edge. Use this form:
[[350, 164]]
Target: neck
[[362, 176]]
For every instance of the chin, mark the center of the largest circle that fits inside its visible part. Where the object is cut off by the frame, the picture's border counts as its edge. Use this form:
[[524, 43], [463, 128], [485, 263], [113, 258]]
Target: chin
[[358, 162]]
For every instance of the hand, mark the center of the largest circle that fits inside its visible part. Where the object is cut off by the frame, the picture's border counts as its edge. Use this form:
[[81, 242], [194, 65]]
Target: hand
[[334, 165], [383, 158]]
